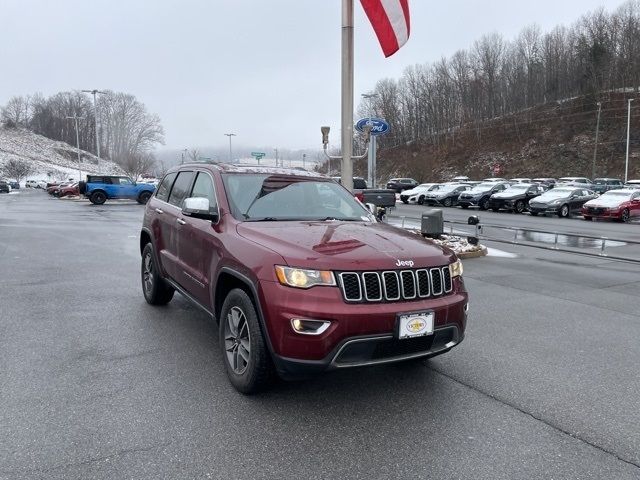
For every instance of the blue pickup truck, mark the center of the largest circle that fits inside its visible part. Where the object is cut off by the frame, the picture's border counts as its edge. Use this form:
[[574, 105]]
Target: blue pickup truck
[[99, 188]]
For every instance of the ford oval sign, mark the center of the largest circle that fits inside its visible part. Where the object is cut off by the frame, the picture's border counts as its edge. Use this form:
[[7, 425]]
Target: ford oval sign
[[378, 126]]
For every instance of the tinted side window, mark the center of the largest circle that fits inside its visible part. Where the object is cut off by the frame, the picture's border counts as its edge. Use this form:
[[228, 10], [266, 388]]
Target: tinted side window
[[165, 187], [203, 188], [180, 188], [359, 183]]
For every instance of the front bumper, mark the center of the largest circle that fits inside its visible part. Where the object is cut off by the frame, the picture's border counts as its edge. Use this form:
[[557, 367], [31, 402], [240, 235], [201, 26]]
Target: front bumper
[[601, 213], [469, 202], [501, 204], [554, 209], [360, 334]]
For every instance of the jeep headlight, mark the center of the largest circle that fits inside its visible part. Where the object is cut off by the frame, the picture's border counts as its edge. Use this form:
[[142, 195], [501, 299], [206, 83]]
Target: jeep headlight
[[302, 278], [456, 269]]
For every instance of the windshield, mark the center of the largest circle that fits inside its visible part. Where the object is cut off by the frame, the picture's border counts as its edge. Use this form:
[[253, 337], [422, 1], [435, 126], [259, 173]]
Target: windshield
[[517, 188], [556, 193], [485, 186], [263, 197], [446, 188], [616, 195]]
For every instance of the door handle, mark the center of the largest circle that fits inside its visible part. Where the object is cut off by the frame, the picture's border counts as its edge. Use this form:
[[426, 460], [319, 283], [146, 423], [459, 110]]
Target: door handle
[[181, 222], [159, 211]]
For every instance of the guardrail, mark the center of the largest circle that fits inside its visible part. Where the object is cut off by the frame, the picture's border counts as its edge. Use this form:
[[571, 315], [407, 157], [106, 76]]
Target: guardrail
[[554, 240]]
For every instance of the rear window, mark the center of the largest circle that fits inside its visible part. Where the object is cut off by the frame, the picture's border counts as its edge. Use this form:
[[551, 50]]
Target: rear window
[[165, 187], [180, 188]]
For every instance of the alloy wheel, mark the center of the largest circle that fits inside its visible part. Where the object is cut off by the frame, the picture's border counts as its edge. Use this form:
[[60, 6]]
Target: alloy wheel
[[237, 340], [147, 274], [625, 215]]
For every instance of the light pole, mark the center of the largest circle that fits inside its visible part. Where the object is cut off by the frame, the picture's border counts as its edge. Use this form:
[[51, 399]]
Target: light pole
[[347, 94], [626, 163], [76, 118], [95, 119], [304, 159], [595, 149], [371, 160], [276, 150], [230, 151]]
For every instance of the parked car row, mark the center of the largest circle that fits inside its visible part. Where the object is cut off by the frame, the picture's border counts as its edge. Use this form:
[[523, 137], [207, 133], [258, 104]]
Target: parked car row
[[563, 198], [100, 188]]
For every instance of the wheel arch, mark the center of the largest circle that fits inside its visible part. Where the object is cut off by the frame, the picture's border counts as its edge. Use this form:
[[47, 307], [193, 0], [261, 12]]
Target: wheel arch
[[228, 280]]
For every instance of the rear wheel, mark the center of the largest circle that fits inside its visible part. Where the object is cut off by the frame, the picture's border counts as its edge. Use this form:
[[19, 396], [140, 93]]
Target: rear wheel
[[98, 198], [156, 291], [244, 351], [144, 197], [447, 202], [484, 204], [625, 216]]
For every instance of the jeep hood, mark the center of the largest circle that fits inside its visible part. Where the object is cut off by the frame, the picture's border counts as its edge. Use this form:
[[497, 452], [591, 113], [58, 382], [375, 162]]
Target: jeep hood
[[336, 245]]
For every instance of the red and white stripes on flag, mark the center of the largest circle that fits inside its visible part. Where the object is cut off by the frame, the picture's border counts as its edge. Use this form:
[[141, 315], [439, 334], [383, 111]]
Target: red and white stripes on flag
[[390, 21]]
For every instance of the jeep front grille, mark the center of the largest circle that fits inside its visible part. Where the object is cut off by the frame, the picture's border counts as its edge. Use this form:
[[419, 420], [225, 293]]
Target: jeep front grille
[[395, 285]]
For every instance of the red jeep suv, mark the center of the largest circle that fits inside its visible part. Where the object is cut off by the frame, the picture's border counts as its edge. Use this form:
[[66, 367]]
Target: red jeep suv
[[299, 275]]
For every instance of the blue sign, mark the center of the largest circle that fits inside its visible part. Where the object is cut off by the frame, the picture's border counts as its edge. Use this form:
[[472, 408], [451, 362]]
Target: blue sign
[[378, 125]]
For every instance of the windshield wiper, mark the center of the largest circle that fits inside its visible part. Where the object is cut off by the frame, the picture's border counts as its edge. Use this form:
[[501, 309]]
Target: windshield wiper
[[328, 219]]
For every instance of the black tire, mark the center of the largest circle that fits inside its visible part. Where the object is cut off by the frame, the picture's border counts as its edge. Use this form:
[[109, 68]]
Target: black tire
[[626, 216], [564, 211], [405, 201], [534, 214], [144, 197], [588, 219], [98, 198], [421, 200], [155, 290], [256, 373], [447, 202], [519, 207], [484, 204]]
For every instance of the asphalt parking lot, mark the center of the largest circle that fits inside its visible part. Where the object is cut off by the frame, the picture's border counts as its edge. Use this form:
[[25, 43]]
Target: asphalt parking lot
[[95, 383]]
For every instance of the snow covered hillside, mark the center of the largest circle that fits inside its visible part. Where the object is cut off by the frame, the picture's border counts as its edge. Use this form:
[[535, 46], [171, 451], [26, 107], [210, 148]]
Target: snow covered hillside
[[51, 160]]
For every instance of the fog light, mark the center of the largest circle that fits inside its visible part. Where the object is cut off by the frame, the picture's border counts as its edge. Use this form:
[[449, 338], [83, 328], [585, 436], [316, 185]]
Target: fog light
[[309, 327]]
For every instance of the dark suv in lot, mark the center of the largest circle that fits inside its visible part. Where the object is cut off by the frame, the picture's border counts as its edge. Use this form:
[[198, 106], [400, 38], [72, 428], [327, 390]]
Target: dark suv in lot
[[401, 184], [300, 277]]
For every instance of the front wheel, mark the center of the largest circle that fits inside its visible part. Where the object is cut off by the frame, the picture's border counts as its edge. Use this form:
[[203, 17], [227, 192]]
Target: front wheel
[[98, 198], [447, 202], [564, 211], [244, 352], [520, 206], [421, 200], [625, 217], [156, 291], [484, 204]]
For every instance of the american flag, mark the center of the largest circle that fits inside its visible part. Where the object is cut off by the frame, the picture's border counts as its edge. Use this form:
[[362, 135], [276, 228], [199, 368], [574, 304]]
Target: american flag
[[390, 21]]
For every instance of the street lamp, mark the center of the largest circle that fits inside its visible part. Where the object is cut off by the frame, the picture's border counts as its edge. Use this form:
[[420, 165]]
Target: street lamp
[[230, 152], [626, 163], [76, 118], [95, 119], [595, 150]]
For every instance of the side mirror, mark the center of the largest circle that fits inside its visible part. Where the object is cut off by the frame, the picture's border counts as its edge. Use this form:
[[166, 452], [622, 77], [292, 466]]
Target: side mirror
[[371, 207], [198, 207]]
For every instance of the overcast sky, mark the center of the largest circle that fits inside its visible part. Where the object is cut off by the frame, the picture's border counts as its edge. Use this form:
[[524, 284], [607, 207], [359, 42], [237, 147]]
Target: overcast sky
[[267, 70]]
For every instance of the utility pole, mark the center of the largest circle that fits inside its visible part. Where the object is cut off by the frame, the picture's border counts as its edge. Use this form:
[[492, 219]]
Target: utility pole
[[95, 119], [230, 152], [347, 94], [626, 164], [371, 160], [595, 150], [76, 118]]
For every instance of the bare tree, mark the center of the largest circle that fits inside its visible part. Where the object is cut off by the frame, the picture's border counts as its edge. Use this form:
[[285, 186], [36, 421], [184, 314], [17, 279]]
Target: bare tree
[[17, 112], [18, 169], [138, 163]]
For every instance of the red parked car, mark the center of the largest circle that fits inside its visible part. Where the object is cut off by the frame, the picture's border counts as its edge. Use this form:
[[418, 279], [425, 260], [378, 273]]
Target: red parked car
[[68, 191], [299, 275], [621, 205]]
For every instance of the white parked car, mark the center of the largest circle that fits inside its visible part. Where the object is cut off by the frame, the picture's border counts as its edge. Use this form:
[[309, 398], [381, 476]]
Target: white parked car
[[41, 184], [520, 180], [31, 184], [417, 195]]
